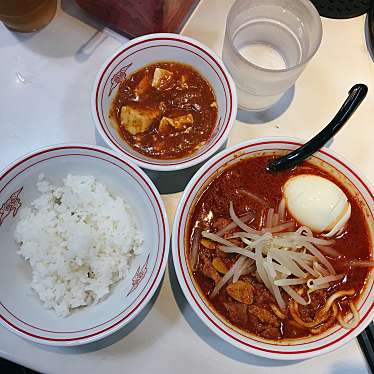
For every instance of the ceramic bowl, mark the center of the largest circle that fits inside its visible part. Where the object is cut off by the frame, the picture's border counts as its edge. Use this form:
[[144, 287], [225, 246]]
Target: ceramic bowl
[[20, 308], [150, 49], [286, 350]]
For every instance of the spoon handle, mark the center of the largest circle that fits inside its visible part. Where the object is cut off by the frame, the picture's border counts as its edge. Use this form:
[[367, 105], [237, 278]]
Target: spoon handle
[[356, 94]]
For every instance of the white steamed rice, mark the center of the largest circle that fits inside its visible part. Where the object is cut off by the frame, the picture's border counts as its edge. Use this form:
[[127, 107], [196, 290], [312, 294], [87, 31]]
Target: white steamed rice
[[79, 240]]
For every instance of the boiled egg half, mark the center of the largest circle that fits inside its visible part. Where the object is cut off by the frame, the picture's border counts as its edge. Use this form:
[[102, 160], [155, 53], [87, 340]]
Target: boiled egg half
[[317, 203]]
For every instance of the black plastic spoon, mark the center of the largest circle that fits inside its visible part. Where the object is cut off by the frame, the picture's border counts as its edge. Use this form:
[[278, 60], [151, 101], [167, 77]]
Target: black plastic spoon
[[356, 94]]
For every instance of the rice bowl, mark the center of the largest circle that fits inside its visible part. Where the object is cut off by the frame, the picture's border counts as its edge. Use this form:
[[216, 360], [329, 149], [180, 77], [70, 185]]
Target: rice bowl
[[21, 310]]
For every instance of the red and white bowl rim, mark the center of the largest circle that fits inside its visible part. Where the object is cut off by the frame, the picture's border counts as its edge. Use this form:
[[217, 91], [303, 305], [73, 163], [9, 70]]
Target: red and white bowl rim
[[282, 352]]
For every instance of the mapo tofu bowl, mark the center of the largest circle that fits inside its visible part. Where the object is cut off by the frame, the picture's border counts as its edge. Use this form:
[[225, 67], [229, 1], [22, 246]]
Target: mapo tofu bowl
[[164, 100], [279, 265]]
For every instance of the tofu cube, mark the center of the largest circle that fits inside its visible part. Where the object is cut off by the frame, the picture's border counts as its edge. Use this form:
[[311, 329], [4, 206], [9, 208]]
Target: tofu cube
[[137, 120], [177, 122], [161, 78]]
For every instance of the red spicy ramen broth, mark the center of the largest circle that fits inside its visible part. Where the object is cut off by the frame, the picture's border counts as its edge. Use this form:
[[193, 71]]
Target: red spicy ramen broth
[[165, 111], [254, 311]]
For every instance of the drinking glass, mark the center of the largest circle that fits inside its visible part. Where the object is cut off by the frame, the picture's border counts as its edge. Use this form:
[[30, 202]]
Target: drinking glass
[[27, 15], [267, 45]]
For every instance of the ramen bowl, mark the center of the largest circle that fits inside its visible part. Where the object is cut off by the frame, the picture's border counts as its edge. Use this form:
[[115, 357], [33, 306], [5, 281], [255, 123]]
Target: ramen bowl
[[287, 349], [21, 310], [151, 49]]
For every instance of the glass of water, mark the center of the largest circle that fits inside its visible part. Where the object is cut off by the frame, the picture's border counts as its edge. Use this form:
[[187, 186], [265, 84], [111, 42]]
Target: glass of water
[[267, 45]]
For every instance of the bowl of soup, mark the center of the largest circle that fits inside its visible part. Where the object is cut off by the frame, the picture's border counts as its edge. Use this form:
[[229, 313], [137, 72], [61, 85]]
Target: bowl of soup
[[277, 264], [164, 100]]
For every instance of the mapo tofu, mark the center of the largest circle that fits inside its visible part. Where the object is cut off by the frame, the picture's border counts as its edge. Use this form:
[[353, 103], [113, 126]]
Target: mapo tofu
[[166, 110]]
